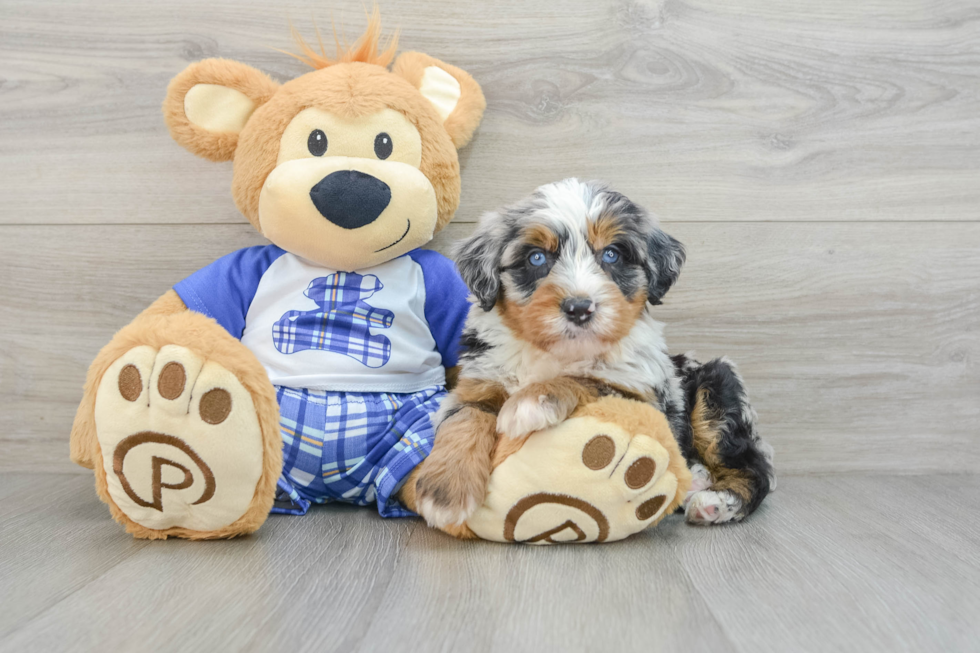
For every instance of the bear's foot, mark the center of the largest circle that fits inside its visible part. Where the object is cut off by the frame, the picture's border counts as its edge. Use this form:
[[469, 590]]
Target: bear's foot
[[181, 445], [593, 478]]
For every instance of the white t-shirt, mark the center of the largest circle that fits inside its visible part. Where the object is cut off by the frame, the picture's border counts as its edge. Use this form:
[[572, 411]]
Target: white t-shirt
[[390, 328]]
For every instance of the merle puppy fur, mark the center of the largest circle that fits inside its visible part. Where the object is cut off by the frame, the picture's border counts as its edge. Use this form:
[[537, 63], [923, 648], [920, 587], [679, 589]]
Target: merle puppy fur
[[564, 284]]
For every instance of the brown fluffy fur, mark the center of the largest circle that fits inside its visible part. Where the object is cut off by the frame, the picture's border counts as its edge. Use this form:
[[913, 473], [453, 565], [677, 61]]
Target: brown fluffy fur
[[356, 83], [347, 90], [603, 232], [490, 396], [253, 83], [462, 122], [367, 49], [628, 311], [469, 438], [168, 322], [532, 321], [541, 236], [642, 419], [565, 392], [466, 439], [562, 392], [707, 429], [407, 495]]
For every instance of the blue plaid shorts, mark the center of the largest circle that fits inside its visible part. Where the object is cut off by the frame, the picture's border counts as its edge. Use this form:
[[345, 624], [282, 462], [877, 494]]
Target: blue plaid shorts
[[351, 447]]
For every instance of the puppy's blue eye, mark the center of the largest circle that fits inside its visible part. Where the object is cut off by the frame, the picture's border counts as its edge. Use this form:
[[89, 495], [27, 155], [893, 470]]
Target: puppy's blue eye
[[610, 255], [537, 258]]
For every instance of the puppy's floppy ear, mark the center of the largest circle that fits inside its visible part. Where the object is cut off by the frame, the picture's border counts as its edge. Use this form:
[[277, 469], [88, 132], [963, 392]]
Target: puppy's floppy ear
[[208, 104], [453, 92], [665, 257], [478, 260]]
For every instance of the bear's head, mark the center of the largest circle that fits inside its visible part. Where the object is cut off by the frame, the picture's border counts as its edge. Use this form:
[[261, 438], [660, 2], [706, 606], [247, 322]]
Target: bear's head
[[349, 165]]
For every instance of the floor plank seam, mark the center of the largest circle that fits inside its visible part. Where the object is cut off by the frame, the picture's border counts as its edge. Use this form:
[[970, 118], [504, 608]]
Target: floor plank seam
[[34, 617], [704, 599], [391, 579]]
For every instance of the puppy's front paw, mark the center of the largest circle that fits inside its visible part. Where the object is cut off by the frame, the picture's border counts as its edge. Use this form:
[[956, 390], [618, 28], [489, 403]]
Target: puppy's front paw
[[522, 415], [446, 498]]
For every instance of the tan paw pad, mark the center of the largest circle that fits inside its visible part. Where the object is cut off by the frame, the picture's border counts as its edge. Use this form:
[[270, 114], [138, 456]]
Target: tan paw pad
[[582, 481], [180, 440]]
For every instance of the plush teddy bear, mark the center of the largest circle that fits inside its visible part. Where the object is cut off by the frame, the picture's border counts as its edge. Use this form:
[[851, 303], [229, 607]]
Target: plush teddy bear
[[611, 470], [303, 371]]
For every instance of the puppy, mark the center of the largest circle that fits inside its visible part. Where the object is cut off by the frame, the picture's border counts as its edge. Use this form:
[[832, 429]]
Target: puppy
[[564, 284]]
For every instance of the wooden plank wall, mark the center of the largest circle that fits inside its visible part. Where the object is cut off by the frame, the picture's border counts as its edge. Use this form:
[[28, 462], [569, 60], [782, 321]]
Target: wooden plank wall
[[821, 161]]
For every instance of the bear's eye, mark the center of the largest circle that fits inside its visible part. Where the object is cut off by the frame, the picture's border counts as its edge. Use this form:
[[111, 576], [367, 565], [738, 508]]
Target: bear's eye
[[317, 142], [382, 145]]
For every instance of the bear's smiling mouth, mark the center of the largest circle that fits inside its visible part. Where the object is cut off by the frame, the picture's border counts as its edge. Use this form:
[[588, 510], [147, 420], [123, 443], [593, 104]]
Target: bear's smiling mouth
[[408, 228]]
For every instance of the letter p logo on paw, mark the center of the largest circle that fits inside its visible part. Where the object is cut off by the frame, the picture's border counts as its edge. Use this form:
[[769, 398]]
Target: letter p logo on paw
[[156, 467]]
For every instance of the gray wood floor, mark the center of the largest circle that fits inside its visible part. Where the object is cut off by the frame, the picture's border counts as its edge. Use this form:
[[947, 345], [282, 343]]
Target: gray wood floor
[[829, 563]]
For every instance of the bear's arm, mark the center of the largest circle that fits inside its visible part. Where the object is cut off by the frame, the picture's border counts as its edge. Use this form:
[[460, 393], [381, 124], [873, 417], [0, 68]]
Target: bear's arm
[[224, 289], [446, 302]]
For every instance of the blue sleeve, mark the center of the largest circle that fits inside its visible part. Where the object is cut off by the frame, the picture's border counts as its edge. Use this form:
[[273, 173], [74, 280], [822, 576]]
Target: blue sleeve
[[224, 290], [446, 305]]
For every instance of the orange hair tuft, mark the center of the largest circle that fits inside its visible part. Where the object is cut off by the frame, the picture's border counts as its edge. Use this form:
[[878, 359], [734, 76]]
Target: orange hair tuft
[[365, 49]]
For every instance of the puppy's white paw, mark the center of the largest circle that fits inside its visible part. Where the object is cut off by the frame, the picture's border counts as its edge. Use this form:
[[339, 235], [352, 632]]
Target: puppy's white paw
[[712, 507], [521, 416], [700, 480], [444, 516]]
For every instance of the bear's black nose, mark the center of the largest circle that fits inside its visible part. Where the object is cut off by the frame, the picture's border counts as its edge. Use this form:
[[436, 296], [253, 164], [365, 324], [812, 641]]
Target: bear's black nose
[[350, 199]]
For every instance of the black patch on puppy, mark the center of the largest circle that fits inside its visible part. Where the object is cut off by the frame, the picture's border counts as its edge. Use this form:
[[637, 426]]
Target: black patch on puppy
[[472, 346], [666, 256], [644, 248], [526, 276], [629, 277], [478, 261], [737, 444]]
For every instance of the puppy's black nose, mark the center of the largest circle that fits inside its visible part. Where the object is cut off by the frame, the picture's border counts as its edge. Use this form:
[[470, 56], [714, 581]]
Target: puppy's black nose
[[350, 199], [578, 309]]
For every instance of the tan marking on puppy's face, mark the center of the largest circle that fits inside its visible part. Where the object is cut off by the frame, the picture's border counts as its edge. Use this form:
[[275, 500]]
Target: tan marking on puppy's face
[[627, 312], [370, 161], [541, 236], [603, 232], [539, 320], [532, 302]]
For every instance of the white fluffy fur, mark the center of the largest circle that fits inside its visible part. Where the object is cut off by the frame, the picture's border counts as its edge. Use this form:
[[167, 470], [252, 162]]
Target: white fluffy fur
[[638, 362], [439, 517], [524, 415], [712, 507]]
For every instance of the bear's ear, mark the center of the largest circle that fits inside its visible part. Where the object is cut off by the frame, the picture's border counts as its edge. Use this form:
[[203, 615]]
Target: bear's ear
[[208, 104], [453, 92]]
